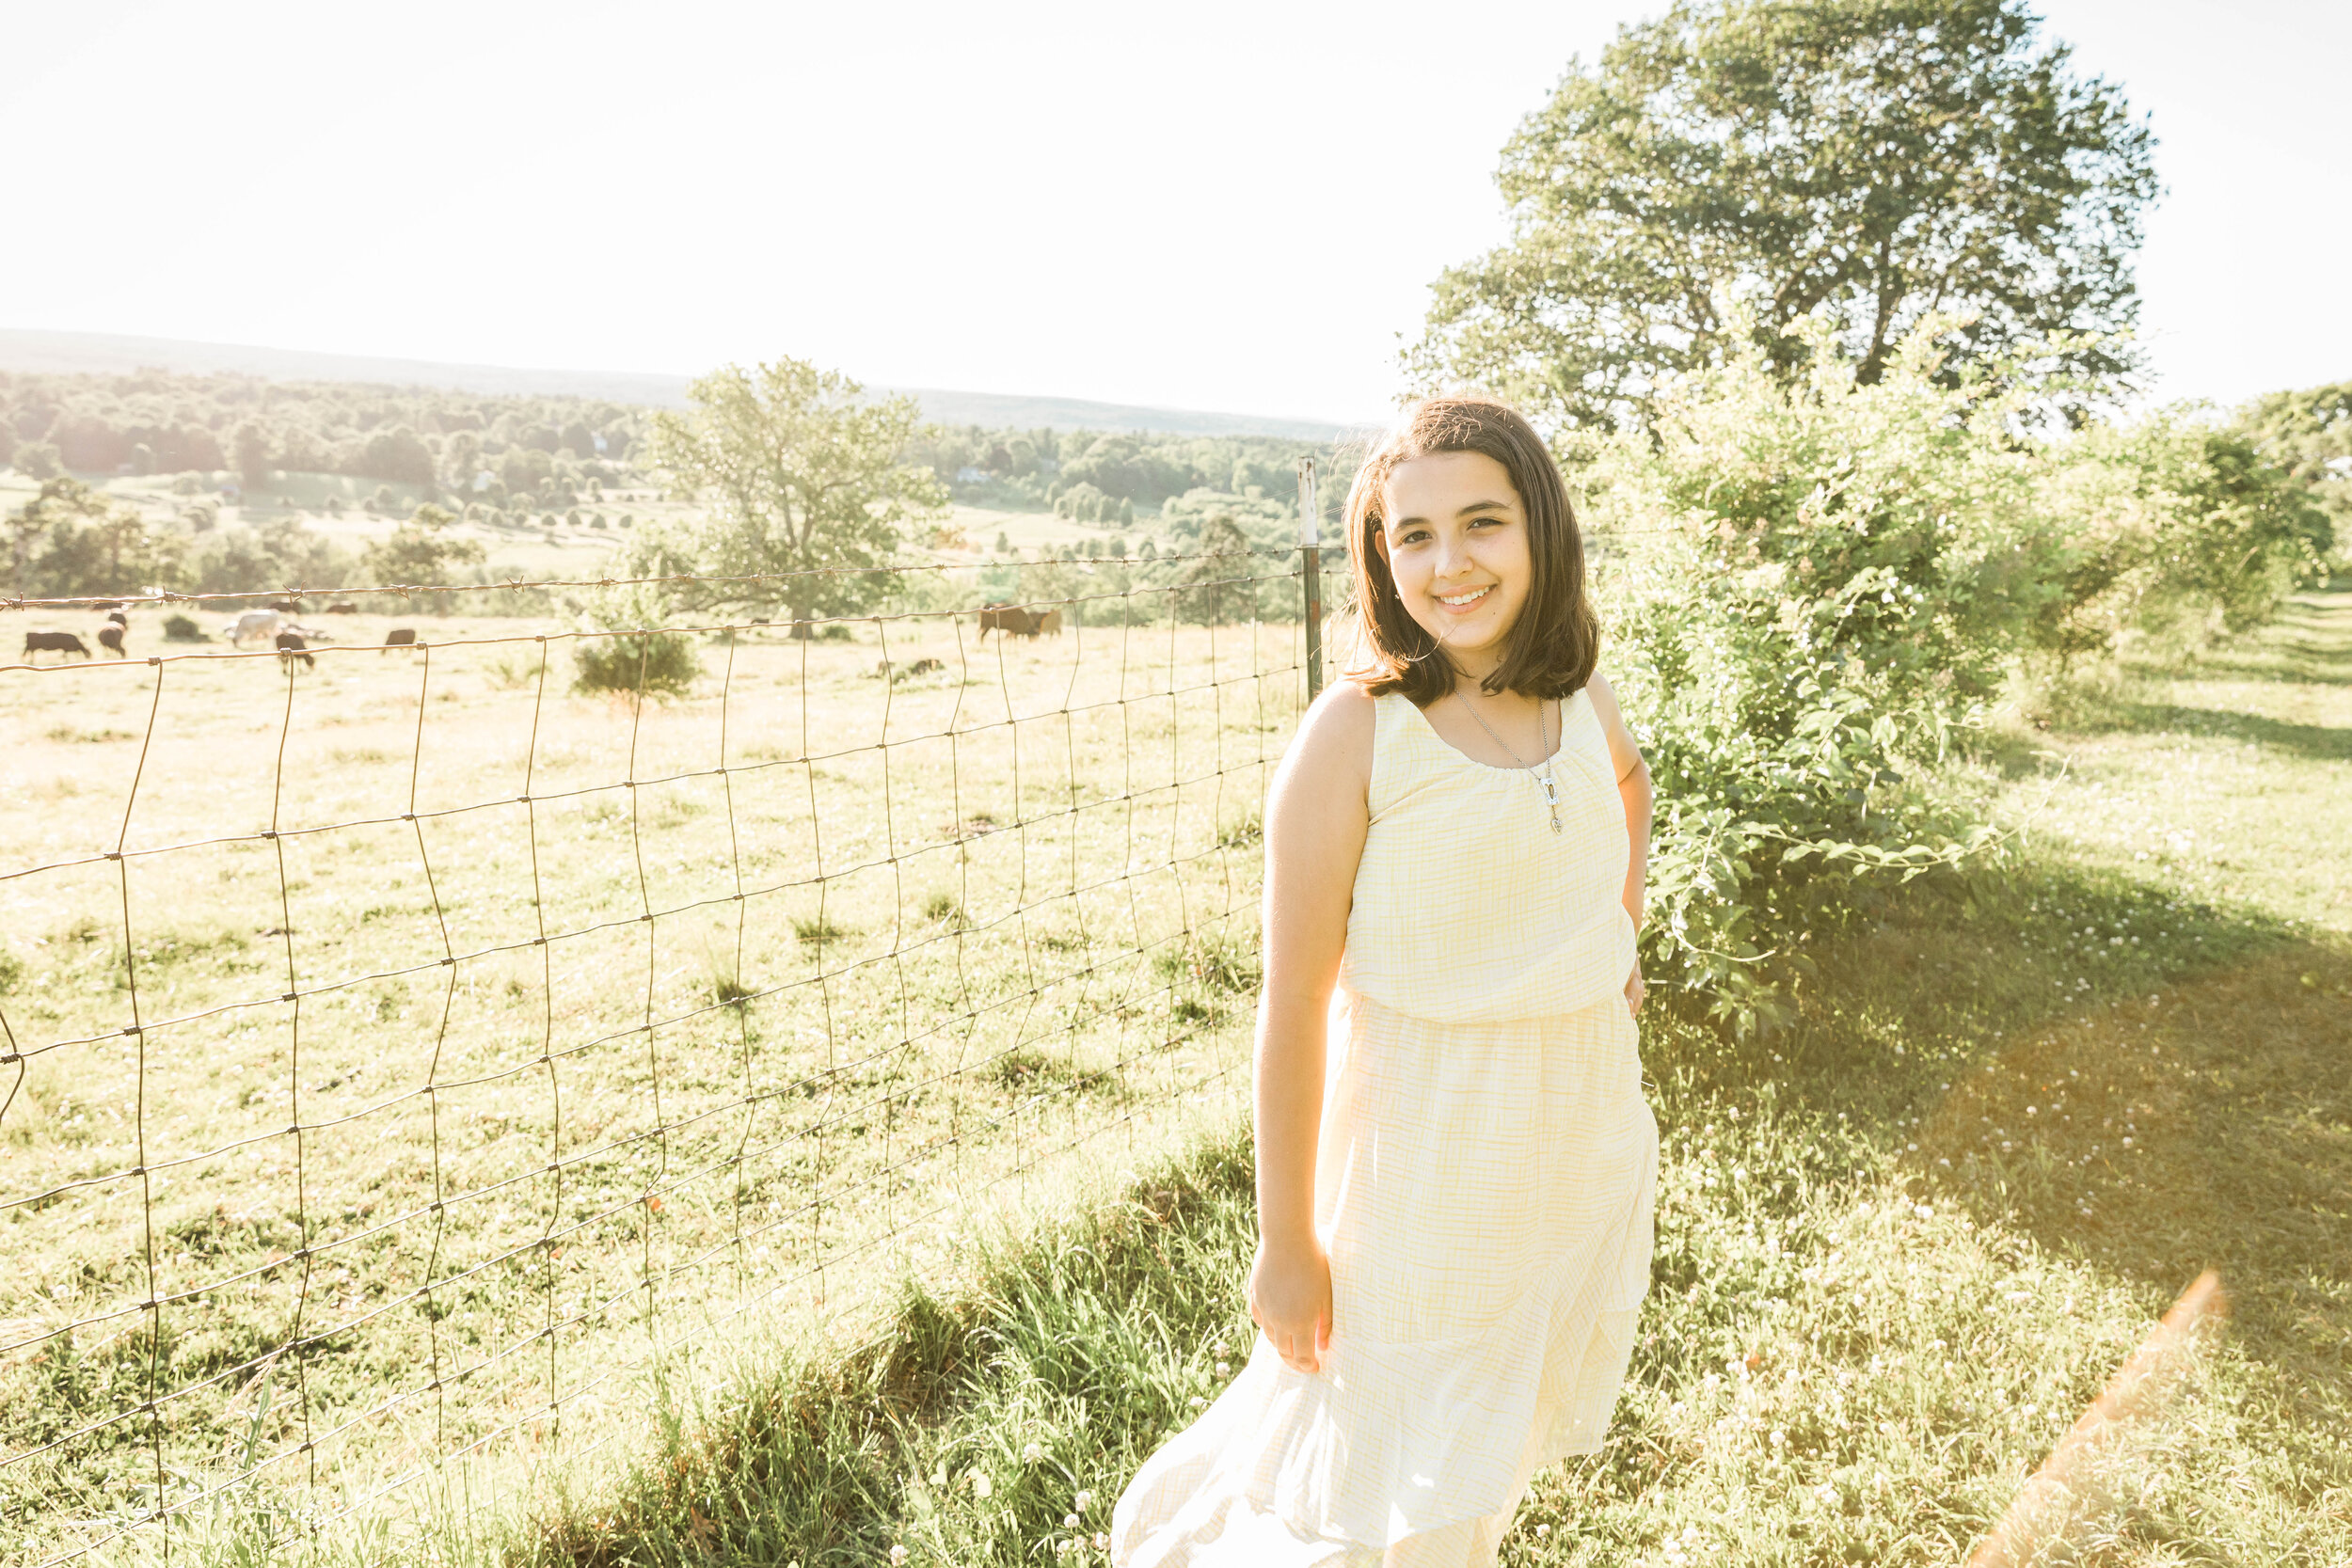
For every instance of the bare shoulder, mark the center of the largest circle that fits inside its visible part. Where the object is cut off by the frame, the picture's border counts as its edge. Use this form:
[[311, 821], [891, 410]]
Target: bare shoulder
[[1604, 698], [1331, 753], [1622, 747]]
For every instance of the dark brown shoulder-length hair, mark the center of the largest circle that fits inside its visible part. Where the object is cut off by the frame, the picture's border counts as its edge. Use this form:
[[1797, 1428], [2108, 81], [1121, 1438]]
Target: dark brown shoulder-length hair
[[1551, 649]]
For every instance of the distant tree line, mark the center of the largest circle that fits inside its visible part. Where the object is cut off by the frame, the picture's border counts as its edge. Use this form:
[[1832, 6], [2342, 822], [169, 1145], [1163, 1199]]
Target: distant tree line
[[1100, 478], [551, 449]]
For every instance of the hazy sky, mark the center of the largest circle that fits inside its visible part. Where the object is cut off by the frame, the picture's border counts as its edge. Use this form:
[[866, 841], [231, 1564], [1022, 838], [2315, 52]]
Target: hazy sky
[[1209, 205]]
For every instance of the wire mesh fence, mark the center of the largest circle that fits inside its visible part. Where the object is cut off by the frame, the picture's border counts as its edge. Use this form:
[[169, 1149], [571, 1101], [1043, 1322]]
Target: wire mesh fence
[[405, 1047]]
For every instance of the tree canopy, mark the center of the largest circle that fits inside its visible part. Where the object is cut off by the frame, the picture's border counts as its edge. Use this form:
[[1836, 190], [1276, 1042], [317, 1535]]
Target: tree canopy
[[71, 540], [2310, 434], [804, 480], [1744, 165]]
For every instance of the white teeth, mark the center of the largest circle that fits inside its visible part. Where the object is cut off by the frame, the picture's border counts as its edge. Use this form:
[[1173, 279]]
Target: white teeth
[[1463, 598]]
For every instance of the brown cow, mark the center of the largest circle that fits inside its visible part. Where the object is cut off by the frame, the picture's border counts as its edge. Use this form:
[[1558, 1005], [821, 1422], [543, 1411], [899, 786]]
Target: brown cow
[[59, 642], [1049, 623], [343, 610], [110, 638], [290, 647], [399, 637], [1010, 620]]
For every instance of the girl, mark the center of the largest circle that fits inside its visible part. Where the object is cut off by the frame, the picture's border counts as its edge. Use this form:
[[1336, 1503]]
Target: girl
[[1455, 1166]]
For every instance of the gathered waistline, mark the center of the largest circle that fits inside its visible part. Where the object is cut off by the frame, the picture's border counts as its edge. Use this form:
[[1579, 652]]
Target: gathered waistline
[[1352, 999]]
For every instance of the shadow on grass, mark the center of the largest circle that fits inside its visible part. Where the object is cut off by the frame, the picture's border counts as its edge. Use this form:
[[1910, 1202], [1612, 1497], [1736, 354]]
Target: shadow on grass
[[2207, 1126], [2325, 742], [2311, 640], [2190, 1107]]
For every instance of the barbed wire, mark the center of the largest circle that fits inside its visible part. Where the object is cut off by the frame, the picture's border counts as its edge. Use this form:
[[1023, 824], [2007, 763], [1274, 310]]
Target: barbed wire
[[161, 597], [860, 1064]]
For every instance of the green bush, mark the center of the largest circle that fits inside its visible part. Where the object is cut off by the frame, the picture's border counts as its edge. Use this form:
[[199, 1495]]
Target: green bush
[[643, 663], [1815, 584], [2172, 526], [180, 628], [1811, 586]]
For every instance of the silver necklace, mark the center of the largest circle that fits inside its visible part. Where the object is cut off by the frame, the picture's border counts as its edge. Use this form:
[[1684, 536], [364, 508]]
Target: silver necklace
[[1551, 795]]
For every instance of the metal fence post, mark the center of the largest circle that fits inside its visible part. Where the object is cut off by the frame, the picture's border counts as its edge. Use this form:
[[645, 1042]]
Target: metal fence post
[[1310, 572]]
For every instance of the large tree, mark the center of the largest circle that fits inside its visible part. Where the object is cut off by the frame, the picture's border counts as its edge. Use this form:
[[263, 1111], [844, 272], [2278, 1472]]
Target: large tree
[[71, 541], [1762, 161], [804, 484]]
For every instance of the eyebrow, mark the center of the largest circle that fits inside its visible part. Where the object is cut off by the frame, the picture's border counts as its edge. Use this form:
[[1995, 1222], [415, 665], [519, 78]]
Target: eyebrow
[[1464, 511]]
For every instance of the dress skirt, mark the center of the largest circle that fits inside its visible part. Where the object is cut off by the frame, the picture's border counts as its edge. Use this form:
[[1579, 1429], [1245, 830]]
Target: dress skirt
[[1486, 1191]]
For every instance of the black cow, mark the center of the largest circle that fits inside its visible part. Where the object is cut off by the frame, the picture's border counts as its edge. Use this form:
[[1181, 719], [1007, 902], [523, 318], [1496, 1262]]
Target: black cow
[[110, 638], [399, 637], [117, 618], [290, 647], [343, 610], [59, 642]]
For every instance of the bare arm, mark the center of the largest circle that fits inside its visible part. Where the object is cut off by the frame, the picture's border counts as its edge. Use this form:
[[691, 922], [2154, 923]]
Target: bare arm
[[1316, 818], [1633, 787]]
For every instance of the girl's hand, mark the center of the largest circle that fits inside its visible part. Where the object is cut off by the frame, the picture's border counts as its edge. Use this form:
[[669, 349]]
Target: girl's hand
[[1290, 1299], [1634, 990]]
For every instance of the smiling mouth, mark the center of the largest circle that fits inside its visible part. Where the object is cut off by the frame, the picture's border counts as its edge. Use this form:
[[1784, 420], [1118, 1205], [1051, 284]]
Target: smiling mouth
[[1459, 600]]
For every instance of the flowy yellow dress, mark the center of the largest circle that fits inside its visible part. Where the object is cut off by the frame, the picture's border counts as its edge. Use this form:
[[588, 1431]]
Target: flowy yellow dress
[[1484, 1183]]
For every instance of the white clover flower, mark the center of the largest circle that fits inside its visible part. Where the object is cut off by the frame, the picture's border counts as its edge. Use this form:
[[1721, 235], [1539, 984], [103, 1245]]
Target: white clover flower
[[1102, 1540], [1542, 1531], [1070, 1521], [1224, 1369], [897, 1555], [982, 1485], [1085, 1500], [1031, 1454]]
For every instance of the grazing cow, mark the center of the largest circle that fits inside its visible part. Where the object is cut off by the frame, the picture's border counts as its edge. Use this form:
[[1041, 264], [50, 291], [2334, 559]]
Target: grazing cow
[[59, 642], [290, 648], [255, 626], [1009, 620], [285, 607], [1049, 623], [343, 610], [110, 638], [117, 618], [399, 637]]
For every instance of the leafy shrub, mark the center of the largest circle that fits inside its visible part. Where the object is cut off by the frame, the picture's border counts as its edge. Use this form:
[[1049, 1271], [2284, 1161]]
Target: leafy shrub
[[180, 628], [2171, 525], [643, 663], [1815, 584], [1811, 584]]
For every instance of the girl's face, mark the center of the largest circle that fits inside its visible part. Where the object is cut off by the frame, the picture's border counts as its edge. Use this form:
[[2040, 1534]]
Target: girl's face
[[1455, 538]]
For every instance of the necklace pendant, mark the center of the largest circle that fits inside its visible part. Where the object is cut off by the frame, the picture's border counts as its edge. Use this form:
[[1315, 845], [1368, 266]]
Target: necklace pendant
[[1555, 823]]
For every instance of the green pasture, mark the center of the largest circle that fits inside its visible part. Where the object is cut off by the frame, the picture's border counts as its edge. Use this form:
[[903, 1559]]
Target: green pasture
[[1903, 1242], [493, 1038]]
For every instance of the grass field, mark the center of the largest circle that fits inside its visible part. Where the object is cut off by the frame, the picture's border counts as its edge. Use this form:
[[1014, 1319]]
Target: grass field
[[441, 1043], [1902, 1243]]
